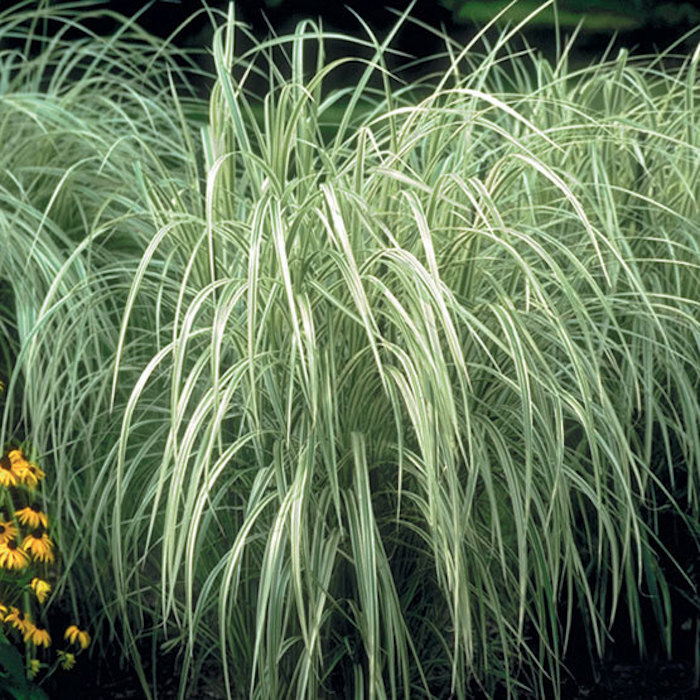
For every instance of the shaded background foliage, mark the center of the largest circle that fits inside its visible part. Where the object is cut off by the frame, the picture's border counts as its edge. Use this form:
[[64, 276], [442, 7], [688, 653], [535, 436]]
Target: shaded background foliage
[[641, 25]]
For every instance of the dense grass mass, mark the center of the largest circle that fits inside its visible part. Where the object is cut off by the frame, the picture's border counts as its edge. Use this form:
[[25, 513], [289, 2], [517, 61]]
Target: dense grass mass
[[368, 409]]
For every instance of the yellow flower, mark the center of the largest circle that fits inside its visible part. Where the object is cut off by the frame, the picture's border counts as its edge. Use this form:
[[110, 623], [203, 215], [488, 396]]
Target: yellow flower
[[3, 612], [32, 516], [29, 474], [8, 476], [39, 545], [18, 619], [17, 459], [8, 531], [77, 636], [41, 588], [66, 659], [11, 557], [38, 637], [33, 668]]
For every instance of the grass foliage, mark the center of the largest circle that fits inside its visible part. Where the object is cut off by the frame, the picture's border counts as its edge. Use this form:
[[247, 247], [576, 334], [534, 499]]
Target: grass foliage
[[374, 408]]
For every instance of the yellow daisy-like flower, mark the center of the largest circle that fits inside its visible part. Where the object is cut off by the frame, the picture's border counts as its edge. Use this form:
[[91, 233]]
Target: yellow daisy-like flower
[[17, 459], [33, 668], [39, 545], [3, 611], [37, 636], [41, 588], [29, 474], [8, 476], [18, 619], [77, 636], [32, 516], [28, 627], [8, 531], [11, 556], [66, 659]]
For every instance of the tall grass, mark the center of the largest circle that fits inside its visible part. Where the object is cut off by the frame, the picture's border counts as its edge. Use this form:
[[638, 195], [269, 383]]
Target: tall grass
[[367, 411], [85, 123]]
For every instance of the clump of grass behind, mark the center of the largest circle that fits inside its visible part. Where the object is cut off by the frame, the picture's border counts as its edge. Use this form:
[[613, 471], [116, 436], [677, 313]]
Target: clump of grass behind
[[84, 123]]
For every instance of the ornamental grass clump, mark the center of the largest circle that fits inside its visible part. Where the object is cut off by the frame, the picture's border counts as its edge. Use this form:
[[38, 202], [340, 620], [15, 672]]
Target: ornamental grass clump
[[373, 389], [403, 401]]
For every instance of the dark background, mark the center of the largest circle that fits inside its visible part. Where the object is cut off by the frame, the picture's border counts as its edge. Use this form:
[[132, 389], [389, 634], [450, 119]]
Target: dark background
[[641, 25], [642, 21]]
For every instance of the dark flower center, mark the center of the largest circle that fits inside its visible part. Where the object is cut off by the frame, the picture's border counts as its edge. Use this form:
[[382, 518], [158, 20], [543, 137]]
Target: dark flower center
[[5, 463], [35, 507], [2, 529], [11, 544]]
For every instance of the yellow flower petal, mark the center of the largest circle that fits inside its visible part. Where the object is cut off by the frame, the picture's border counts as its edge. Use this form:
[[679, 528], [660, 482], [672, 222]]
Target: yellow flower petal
[[8, 531], [77, 636], [8, 476], [12, 557], [32, 516], [38, 637], [39, 545], [41, 589]]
